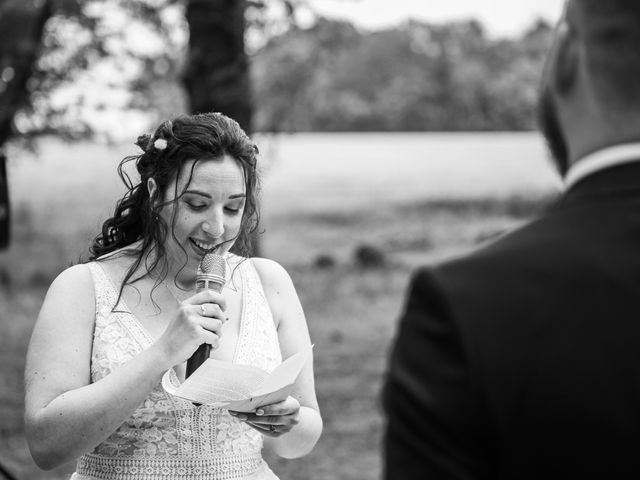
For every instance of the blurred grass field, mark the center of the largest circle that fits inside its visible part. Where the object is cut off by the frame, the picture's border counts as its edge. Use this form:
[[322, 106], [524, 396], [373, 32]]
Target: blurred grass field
[[313, 206]]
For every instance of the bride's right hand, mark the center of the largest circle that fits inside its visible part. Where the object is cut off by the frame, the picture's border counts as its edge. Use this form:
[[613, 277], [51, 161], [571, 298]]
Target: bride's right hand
[[197, 320]]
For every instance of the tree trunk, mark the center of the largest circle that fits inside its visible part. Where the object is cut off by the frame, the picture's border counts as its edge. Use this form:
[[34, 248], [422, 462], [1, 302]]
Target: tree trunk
[[21, 28], [217, 73], [5, 206]]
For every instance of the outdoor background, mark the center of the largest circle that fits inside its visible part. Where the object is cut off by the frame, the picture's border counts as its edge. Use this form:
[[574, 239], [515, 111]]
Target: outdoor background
[[381, 150]]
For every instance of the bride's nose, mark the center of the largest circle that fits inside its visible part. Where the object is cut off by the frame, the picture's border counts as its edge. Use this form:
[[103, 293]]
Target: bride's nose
[[214, 226]]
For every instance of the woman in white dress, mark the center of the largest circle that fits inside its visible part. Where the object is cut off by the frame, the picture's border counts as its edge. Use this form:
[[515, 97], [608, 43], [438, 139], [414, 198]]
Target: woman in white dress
[[109, 329]]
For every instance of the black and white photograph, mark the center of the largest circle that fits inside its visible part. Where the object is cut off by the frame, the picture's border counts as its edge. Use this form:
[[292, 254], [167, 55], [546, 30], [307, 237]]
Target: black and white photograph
[[319, 239]]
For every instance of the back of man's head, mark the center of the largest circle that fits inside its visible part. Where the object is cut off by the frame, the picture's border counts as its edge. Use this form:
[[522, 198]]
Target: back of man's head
[[610, 33]]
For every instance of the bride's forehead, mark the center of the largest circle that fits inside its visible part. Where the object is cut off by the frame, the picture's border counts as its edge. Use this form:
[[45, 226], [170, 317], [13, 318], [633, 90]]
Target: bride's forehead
[[224, 170]]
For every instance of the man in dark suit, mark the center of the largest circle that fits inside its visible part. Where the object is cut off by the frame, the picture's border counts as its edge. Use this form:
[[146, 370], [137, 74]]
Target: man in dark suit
[[522, 359]]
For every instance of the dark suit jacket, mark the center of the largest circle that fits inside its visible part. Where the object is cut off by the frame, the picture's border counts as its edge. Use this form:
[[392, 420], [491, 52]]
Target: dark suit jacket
[[522, 360]]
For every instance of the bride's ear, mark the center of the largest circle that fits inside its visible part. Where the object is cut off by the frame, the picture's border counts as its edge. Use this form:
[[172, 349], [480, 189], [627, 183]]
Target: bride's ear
[[152, 188]]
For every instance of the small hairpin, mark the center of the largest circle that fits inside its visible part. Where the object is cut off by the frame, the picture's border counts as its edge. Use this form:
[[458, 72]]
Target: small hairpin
[[160, 144]]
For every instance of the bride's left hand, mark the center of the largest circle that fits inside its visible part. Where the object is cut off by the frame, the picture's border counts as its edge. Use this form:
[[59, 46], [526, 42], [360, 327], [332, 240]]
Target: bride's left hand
[[272, 420]]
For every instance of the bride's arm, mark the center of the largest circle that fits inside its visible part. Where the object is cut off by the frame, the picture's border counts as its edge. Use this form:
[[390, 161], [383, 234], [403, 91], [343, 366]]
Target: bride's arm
[[293, 336], [65, 414]]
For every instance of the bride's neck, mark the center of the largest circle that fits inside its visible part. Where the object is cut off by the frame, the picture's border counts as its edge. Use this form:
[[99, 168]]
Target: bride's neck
[[167, 271]]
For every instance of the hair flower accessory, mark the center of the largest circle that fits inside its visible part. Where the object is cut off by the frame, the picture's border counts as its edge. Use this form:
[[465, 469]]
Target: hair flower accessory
[[160, 144]]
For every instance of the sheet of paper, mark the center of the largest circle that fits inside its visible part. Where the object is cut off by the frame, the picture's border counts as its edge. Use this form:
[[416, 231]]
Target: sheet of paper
[[215, 381], [237, 387]]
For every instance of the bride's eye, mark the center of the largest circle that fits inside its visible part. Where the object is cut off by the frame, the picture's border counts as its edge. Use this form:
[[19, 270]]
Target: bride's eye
[[196, 205]]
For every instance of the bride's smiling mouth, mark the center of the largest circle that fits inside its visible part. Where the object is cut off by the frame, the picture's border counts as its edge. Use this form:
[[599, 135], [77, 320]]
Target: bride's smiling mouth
[[202, 247]]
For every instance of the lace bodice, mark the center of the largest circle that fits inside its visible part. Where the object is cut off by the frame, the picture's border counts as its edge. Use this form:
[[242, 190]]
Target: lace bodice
[[168, 437]]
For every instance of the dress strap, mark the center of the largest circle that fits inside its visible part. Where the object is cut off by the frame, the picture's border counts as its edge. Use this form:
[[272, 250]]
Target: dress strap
[[105, 293], [258, 340], [108, 309]]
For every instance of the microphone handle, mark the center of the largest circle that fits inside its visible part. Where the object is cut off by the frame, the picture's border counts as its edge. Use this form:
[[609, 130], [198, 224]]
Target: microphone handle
[[198, 358], [204, 350]]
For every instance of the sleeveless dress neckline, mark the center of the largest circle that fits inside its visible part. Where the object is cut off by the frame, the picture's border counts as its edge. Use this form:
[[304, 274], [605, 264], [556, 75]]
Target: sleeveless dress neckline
[[145, 332], [166, 437]]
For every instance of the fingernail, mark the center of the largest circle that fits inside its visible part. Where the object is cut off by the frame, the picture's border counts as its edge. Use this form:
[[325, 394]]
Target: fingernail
[[242, 417], [233, 413], [260, 412]]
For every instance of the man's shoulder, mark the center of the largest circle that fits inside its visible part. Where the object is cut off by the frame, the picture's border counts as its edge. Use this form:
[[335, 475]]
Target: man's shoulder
[[531, 246], [501, 277], [486, 294]]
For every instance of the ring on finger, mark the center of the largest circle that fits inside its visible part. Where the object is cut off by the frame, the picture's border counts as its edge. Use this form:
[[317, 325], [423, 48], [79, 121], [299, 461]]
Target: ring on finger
[[203, 311]]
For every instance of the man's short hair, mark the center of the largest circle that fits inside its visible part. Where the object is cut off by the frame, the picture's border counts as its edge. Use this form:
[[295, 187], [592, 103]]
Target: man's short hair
[[610, 31]]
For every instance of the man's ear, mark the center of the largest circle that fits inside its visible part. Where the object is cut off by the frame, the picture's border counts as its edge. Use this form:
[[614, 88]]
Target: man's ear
[[564, 70], [152, 188]]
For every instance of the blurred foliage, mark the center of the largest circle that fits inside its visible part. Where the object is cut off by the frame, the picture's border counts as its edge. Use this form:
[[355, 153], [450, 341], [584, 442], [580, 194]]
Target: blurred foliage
[[21, 29], [93, 67], [416, 77], [110, 66], [72, 61], [100, 58]]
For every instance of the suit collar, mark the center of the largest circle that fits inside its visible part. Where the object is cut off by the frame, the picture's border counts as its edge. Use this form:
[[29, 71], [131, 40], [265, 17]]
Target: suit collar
[[601, 160], [610, 169], [622, 179]]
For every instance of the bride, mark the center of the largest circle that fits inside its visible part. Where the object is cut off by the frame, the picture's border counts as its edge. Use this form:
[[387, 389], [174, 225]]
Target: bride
[[109, 329]]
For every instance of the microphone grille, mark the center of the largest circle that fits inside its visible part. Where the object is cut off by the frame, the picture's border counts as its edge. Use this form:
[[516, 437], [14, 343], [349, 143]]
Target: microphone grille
[[213, 263]]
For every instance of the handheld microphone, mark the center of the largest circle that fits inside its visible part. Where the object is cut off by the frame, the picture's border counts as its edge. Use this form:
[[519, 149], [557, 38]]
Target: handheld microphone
[[211, 275]]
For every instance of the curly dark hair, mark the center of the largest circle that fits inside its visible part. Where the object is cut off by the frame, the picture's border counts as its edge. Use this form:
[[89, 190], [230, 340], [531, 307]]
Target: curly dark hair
[[175, 142]]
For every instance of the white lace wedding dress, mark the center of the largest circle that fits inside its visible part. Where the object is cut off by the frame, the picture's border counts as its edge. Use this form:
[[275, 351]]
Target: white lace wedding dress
[[168, 437]]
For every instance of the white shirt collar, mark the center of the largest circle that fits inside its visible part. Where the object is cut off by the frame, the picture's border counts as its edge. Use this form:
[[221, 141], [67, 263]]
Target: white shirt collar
[[601, 159]]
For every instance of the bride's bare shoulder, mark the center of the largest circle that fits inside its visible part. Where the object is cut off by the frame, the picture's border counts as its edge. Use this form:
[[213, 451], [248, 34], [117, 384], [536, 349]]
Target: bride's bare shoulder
[[117, 263]]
